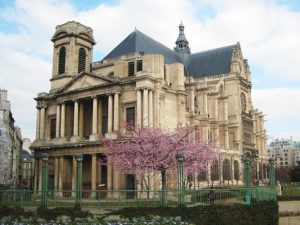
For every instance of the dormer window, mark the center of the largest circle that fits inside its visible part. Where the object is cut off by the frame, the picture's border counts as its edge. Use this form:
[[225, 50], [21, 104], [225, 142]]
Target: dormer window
[[62, 60], [131, 68], [81, 60]]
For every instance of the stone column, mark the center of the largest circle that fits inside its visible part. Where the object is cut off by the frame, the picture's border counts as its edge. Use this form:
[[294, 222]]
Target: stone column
[[109, 179], [100, 116], [116, 112], [139, 108], [208, 173], [192, 99], [57, 120], [94, 171], [38, 115], [145, 108], [216, 110], [225, 110], [56, 173], [63, 120], [205, 107], [61, 172], [94, 135], [43, 118], [116, 184], [226, 141], [74, 165], [151, 108], [110, 104], [81, 119], [76, 113]]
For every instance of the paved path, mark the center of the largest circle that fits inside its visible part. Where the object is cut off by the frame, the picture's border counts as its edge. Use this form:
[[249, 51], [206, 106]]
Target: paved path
[[289, 205]]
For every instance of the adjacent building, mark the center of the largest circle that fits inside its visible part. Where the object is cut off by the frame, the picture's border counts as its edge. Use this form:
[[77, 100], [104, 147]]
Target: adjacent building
[[144, 82], [285, 152], [10, 145]]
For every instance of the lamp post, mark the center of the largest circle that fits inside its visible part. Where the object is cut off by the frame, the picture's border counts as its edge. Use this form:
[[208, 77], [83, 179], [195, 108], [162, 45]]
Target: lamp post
[[180, 158], [272, 173], [79, 158], [44, 158], [247, 172]]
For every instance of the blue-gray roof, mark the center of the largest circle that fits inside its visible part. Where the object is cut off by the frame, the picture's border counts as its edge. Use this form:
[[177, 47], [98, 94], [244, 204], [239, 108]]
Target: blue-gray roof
[[207, 63], [139, 42]]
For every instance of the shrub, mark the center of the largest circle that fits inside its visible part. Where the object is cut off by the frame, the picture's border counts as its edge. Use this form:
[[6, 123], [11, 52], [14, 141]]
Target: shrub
[[261, 213]]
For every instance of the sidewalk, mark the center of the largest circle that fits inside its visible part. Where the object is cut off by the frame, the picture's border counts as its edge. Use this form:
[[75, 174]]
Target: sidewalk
[[289, 205]]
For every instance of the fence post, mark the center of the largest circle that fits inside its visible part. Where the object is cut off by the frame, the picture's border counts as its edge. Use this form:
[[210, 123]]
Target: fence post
[[79, 158], [180, 158], [272, 173]]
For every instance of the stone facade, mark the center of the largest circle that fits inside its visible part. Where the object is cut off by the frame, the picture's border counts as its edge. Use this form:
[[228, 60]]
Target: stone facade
[[10, 145], [88, 99]]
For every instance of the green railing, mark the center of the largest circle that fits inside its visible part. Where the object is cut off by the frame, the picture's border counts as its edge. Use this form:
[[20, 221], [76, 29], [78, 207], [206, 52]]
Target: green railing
[[104, 201], [290, 191]]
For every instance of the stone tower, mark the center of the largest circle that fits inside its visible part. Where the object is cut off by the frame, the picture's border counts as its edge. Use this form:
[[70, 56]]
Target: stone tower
[[72, 53]]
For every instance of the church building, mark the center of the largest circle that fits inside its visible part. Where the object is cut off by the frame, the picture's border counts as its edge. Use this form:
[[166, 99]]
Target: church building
[[144, 82]]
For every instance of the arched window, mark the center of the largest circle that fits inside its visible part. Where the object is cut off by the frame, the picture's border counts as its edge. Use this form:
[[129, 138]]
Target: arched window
[[81, 60], [62, 60], [236, 170], [226, 170], [215, 171]]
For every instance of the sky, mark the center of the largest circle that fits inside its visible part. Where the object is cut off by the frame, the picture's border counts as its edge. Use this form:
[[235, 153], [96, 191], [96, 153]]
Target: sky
[[268, 31]]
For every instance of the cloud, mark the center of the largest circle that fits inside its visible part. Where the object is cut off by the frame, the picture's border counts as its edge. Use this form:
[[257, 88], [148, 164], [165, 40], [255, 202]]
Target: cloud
[[277, 102]]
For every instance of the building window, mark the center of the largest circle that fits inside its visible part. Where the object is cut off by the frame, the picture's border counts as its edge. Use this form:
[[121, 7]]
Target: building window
[[27, 174], [236, 170], [131, 68], [226, 170], [52, 128], [139, 65], [130, 115], [81, 60], [201, 176], [62, 60], [27, 166], [215, 171]]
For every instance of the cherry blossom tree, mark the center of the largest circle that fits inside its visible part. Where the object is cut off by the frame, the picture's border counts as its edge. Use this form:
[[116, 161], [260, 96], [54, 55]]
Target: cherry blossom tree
[[142, 151]]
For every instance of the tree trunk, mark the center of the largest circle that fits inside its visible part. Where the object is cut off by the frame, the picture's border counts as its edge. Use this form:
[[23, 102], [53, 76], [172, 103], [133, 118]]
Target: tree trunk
[[164, 185]]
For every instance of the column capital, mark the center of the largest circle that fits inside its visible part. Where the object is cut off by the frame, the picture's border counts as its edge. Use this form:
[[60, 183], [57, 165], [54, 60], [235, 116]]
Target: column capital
[[94, 96], [75, 100]]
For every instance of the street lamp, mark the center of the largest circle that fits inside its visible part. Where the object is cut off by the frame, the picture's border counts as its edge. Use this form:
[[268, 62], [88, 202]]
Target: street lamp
[[247, 171], [79, 159], [272, 173], [44, 158], [180, 158]]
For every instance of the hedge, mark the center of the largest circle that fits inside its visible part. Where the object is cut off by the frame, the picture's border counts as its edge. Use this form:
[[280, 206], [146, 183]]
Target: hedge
[[261, 213]]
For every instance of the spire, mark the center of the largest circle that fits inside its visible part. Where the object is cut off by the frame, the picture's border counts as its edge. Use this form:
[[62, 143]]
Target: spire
[[182, 45]]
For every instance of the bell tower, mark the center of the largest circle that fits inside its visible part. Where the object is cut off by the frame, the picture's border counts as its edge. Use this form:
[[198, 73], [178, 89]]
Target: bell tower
[[182, 45], [72, 52]]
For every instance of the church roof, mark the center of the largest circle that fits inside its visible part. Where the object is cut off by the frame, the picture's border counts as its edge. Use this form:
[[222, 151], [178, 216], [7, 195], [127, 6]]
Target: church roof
[[206, 63], [139, 42], [209, 63]]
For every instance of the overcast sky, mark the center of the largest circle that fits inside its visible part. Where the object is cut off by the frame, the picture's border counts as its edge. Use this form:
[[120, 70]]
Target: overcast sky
[[269, 33]]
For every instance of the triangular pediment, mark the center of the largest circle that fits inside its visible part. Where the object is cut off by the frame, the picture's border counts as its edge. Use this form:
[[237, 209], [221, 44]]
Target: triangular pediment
[[85, 81]]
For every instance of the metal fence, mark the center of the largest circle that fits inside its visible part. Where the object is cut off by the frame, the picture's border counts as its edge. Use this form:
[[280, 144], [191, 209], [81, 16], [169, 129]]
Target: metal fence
[[99, 202], [290, 190]]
